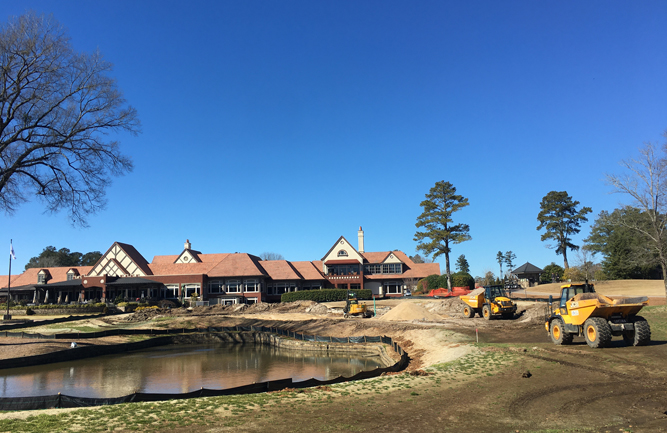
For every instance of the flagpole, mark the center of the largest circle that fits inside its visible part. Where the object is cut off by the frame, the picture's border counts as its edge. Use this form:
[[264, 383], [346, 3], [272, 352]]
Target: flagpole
[[9, 281]]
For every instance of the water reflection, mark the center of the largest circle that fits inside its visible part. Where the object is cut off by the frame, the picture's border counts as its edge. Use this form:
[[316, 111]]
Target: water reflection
[[178, 369]]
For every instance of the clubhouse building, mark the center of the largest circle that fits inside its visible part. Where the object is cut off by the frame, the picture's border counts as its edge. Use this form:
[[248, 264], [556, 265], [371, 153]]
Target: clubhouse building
[[222, 278]]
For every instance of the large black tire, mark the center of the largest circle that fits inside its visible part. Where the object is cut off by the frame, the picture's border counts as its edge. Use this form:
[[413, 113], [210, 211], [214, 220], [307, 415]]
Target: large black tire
[[468, 311], [642, 332], [597, 332], [486, 312], [558, 334]]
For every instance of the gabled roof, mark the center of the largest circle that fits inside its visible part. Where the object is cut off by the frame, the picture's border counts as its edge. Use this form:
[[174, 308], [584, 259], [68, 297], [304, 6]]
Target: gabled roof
[[279, 270], [376, 257], [192, 253], [338, 243], [138, 259], [131, 252], [238, 265], [527, 268]]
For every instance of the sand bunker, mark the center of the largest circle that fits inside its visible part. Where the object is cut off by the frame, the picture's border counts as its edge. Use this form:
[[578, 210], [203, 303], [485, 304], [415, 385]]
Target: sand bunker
[[410, 311]]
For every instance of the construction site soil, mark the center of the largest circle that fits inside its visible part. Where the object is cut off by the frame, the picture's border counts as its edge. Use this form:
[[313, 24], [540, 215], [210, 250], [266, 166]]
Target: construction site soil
[[538, 387]]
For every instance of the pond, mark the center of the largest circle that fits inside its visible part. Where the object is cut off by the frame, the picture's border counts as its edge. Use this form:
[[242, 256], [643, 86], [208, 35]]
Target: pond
[[178, 369]]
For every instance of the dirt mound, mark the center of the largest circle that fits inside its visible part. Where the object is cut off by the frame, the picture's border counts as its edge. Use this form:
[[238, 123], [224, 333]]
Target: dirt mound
[[317, 309], [410, 311], [293, 307], [450, 307], [534, 313]]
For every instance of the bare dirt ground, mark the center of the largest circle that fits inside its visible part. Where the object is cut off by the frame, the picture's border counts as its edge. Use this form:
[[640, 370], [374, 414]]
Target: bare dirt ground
[[536, 387]]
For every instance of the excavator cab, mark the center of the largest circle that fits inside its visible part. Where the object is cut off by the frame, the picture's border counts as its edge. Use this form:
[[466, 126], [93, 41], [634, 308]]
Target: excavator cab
[[354, 308]]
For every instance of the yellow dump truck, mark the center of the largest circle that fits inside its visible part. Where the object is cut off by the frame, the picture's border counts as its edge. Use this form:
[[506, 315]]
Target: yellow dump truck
[[488, 302], [583, 312]]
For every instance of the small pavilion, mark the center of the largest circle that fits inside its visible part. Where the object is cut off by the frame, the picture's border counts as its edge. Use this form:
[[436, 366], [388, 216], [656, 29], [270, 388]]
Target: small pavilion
[[528, 275]]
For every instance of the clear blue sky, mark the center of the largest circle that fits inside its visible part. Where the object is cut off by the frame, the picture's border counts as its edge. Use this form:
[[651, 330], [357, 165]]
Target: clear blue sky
[[279, 126]]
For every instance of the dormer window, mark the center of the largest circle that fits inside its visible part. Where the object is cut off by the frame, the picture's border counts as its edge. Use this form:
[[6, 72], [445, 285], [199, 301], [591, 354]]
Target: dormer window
[[41, 279], [72, 274], [342, 253]]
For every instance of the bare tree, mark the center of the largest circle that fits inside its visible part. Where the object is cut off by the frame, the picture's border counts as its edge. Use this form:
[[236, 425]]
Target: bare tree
[[56, 108], [411, 283], [271, 256], [645, 181], [585, 262]]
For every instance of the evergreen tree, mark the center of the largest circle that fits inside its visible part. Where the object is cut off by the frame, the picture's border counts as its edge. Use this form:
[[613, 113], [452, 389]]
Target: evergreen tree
[[462, 264], [51, 258], [561, 219], [440, 232]]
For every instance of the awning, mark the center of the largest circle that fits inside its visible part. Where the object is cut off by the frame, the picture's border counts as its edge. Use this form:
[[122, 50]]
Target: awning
[[342, 262]]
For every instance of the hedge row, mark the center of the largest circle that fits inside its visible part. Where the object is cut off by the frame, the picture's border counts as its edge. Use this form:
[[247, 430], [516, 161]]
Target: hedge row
[[53, 306], [324, 295]]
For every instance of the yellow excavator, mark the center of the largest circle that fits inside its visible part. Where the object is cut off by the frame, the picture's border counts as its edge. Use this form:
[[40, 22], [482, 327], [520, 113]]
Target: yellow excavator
[[488, 302], [354, 308], [583, 312]]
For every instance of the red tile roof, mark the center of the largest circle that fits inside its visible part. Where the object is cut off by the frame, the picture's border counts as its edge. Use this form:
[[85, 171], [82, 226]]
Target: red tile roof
[[179, 268], [308, 270], [4, 280], [57, 274], [279, 270], [237, 265], [376, 257]]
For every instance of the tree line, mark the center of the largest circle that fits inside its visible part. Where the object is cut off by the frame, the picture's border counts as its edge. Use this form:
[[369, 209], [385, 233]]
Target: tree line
[[632, 239], [52, 257]]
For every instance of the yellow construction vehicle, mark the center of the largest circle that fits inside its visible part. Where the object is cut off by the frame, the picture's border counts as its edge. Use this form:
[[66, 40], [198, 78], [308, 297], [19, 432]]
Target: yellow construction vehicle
[[583, 312], [354, 308], [488, 302]]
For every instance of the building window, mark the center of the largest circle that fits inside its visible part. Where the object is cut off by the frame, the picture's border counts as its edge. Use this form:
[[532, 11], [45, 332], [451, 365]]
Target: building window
[[392, 288], [215, 286], [342, 253], [233, 286], [281, 287], [387, 268], [41, 279], [251, 285], [171, 291], [343, 269], [190, 289], [392, 268], [70, 276]]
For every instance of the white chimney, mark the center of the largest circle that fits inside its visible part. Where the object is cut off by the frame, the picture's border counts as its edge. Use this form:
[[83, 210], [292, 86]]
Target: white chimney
[[188, 245], [361, 240]]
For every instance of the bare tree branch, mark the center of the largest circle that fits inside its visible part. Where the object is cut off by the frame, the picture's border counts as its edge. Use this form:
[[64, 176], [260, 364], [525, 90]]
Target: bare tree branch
[[56, 108]]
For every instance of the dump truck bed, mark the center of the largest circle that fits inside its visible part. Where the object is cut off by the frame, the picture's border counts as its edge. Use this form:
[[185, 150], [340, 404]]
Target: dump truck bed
[[585, 305]]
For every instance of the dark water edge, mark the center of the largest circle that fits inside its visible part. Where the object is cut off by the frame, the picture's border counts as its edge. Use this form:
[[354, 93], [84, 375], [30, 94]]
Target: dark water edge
[[178, 369]]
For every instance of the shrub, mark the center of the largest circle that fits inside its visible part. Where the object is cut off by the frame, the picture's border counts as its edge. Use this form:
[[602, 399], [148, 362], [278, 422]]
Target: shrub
[[573, 274], [463, 279], [154, 307], [552, 270], [432, 282], [422, 286], [324, 295]]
